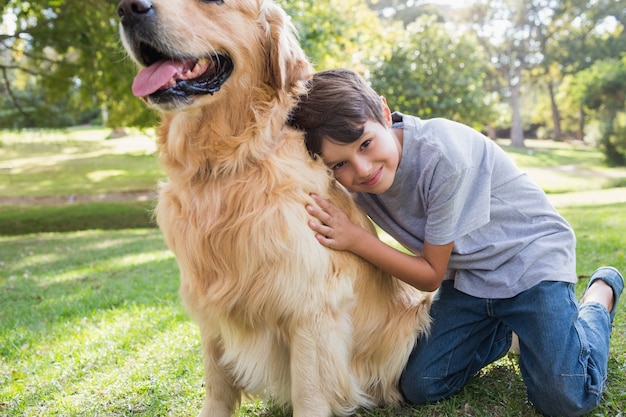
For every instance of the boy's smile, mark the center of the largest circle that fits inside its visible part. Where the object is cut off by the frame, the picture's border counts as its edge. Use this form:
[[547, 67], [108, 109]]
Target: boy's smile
[[374, 179], [369, 164]]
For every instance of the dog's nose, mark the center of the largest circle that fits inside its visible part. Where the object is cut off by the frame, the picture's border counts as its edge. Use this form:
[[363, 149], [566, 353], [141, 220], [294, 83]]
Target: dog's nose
[[130, 9]]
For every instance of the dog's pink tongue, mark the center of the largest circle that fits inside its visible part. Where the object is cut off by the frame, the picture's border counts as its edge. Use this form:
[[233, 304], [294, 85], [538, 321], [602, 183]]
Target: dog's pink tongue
[[151, 79]]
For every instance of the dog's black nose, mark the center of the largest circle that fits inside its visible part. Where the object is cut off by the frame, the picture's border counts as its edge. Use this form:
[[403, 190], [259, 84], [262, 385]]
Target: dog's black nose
[[130, 9]]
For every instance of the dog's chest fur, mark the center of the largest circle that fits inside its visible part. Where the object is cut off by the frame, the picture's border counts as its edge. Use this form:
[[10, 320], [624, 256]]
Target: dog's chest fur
[[247, 258], [241, 230]]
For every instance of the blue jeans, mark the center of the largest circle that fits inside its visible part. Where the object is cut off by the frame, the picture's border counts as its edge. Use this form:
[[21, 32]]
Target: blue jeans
[[564, 347]]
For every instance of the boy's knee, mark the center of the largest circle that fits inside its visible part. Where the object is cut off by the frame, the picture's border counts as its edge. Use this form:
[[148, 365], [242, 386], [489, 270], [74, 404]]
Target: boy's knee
[[421, 390], [564, 402]]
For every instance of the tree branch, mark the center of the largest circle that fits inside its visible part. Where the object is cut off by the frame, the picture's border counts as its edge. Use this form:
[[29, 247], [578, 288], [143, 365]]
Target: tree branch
[[7, 86]]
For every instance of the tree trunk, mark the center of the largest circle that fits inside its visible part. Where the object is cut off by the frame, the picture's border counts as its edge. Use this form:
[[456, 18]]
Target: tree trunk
[[117, 132], [491, 132], [611, 153], [581, 124], [556, 117], [517, 130]]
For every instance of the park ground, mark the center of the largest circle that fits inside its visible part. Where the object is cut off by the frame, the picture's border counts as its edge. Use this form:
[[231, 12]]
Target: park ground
[[90, 320]]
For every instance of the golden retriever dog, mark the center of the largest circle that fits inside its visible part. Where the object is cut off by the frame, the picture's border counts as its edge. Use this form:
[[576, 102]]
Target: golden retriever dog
[[280, 315]]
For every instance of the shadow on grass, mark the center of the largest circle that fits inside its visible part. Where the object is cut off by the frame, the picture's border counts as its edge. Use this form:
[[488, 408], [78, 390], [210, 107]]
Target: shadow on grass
[[26, 219]]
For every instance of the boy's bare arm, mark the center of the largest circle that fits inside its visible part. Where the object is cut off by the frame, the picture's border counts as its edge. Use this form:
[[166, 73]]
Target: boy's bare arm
[[335, 230]]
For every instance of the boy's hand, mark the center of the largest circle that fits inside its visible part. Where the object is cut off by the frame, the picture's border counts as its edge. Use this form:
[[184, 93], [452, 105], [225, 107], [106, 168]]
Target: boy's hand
[[334, 229]]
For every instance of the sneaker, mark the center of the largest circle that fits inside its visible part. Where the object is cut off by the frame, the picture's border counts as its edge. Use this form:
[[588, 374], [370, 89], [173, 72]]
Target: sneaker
[[612, 277]]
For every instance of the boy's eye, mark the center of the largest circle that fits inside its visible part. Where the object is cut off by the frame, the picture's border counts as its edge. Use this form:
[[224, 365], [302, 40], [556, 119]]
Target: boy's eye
[[365, 144], [338, 165]]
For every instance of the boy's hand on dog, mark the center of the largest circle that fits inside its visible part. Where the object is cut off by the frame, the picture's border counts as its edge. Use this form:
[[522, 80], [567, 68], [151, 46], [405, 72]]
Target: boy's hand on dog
[[333, 227]]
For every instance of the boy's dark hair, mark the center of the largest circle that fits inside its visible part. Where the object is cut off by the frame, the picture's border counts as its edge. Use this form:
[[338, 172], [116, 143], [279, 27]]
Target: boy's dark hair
[[336, 106]]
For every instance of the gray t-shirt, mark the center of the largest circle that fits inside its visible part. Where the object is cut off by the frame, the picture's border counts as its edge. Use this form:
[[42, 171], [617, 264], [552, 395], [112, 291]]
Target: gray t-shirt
[[454, 184]]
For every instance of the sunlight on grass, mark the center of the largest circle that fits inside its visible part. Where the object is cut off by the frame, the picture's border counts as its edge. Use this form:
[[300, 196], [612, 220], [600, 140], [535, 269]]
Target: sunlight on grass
[[114, 339], [103, 175], [83, 161], [554, 181], [542, 153], [112, 265], [68, 135], [560, 167], [76, 162], [135, 346]]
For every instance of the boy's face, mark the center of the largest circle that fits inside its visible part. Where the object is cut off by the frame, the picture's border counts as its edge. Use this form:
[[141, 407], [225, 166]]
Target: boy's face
[[369, 164]]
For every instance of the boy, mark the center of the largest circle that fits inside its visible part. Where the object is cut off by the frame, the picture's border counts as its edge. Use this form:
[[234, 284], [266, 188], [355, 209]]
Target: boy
[[484, 235]]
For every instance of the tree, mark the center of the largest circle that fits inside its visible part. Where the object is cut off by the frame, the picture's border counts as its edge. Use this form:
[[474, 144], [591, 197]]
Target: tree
[[579, 34], [339, 34], [62, 56], [509, 30], [430, 73], [408, 11], [602, 88], [67, 48]]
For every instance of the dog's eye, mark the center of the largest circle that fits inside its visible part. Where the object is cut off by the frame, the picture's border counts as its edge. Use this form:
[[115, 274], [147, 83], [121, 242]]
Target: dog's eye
[[213, 1]]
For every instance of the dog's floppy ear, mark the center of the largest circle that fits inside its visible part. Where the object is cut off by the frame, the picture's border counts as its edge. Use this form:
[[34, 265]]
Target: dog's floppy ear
[[287, 65]]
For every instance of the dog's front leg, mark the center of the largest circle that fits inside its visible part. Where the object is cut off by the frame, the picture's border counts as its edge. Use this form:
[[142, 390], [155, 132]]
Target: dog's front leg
[[322, 383], [222, 397]]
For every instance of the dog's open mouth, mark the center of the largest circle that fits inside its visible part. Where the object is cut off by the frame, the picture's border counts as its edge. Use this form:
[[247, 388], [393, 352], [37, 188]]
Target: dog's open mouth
[[164, 76]]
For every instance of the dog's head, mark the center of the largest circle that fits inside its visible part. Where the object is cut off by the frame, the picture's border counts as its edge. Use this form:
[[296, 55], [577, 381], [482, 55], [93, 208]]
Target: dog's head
[[192, 51]]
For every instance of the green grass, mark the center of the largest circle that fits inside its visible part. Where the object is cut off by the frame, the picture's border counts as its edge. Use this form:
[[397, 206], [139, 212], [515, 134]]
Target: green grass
[[81, 162], [24, 219], [75, 162], [561, 168], [91, 323]]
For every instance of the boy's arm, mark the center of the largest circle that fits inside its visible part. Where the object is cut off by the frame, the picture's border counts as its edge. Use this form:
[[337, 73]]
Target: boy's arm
[[335, 230]]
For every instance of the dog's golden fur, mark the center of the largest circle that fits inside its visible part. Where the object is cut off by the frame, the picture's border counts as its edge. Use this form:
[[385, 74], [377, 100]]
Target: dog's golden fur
[[279, 314]]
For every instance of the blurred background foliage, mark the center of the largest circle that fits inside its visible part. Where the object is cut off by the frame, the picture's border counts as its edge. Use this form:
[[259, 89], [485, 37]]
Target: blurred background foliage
[[548, 69]]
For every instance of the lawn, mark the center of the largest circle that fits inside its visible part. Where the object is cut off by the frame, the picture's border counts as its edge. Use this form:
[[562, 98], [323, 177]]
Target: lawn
[[563, 168], [75, 162], [91, 323]]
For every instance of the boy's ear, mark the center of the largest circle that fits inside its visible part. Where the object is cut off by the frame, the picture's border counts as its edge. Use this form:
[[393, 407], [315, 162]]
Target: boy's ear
[[386, 111]]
